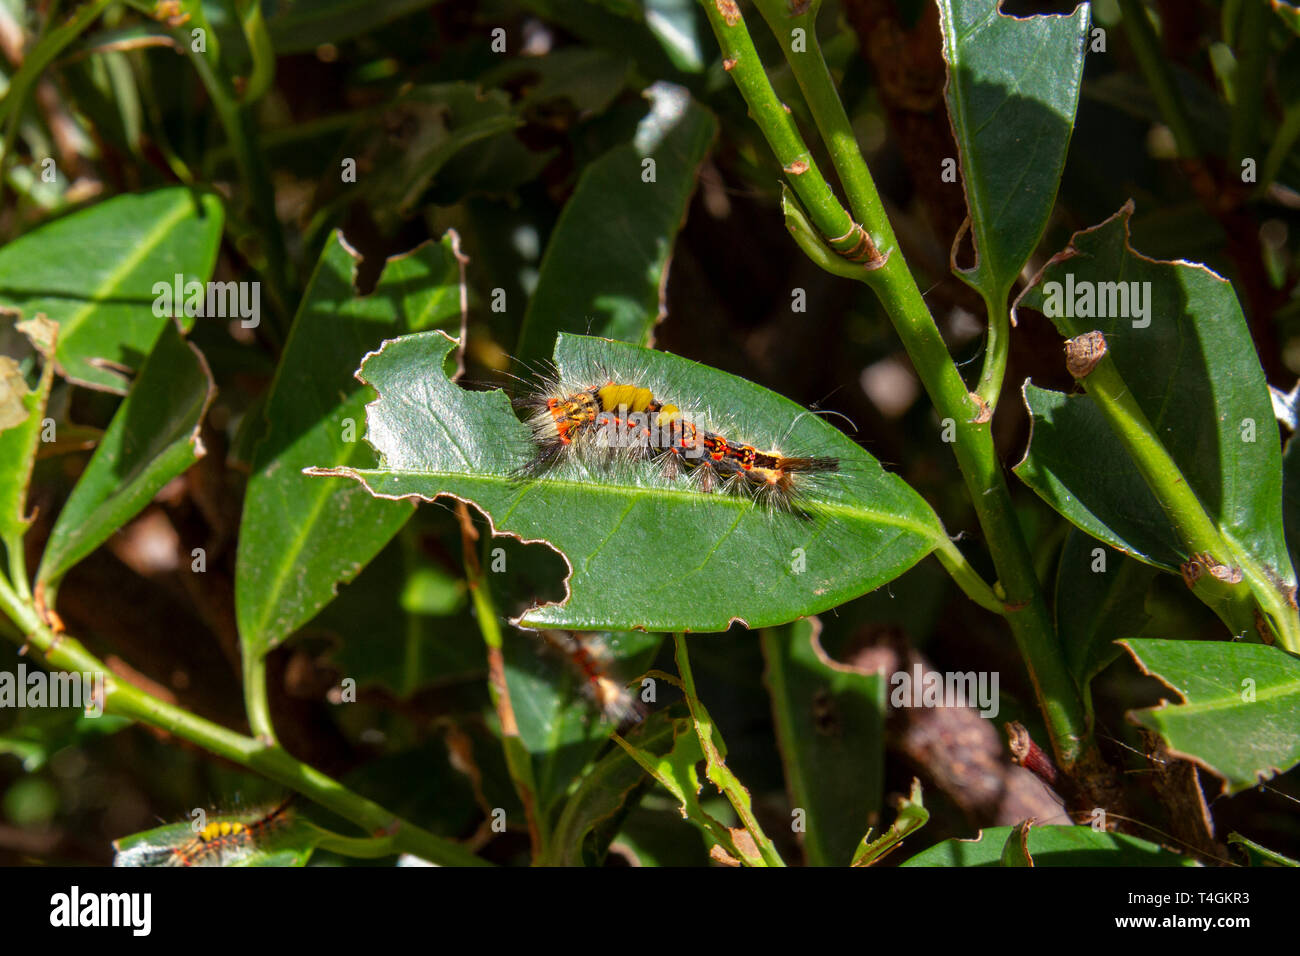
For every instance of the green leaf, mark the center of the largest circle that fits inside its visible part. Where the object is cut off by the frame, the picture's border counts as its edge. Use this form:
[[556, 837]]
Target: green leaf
[[681, 31], [1052, 846], [1241, 713], [20, 431], [1015, 852], [830, 722], [299, 26], [561, 727], [1187, 348], [1113, 505], [1289, 13], [94, 273], [620, 292], [153, 437], [912, 815], [1013, 87], [603, 796], [646, 552], [1100, 597], [677, 771], [1258, 855], [298, 538]]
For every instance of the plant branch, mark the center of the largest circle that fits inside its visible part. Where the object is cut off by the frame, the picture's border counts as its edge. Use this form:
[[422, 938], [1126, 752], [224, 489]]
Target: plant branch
[[1025, 607], [519, 762], [65, 653], [715, 769], [1220, 571]]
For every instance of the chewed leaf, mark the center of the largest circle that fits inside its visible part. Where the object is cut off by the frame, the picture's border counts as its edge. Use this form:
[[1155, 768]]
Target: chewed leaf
[[646, 550]]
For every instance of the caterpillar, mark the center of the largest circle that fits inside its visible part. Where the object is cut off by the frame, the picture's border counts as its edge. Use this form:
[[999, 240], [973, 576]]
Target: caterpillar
[[617, 704], [222, 841], [617, 418]]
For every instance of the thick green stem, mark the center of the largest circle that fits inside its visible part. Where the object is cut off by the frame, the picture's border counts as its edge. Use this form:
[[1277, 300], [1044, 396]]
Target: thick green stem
[[1226, 578], [1155, 67], [1025, 606], [257, 704], [804, 52], [66, 653], [776, 124]]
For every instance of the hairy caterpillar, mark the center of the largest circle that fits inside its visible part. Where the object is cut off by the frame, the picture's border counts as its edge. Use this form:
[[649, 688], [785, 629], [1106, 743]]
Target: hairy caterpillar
[[224, 840], [617, 704], [614, 418]]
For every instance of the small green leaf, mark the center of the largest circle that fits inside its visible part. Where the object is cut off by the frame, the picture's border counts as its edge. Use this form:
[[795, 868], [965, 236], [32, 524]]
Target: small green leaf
[[298, 538], [1258, 855], [1240, 717], [1015, 852], [603, 795], [830, 723], [912, 815], [20, 436], [1052, 846], [693, 561], [619, 293], [153, 437], [1013, 87], [677, 771], [1176, 335], [1289, 13], [94, 273]]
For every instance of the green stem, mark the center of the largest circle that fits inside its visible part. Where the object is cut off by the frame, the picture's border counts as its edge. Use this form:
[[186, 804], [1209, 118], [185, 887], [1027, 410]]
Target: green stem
[[716, 770], [257, 704], [776, 124], [66, 653], [259, 47], [1283, 140], [966, 577], [1155, 67], [1235, 601], [1243, 138], [519, 762], [259, 197], [1025, 607], [996, 347], [814, 79], [17, 566]]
